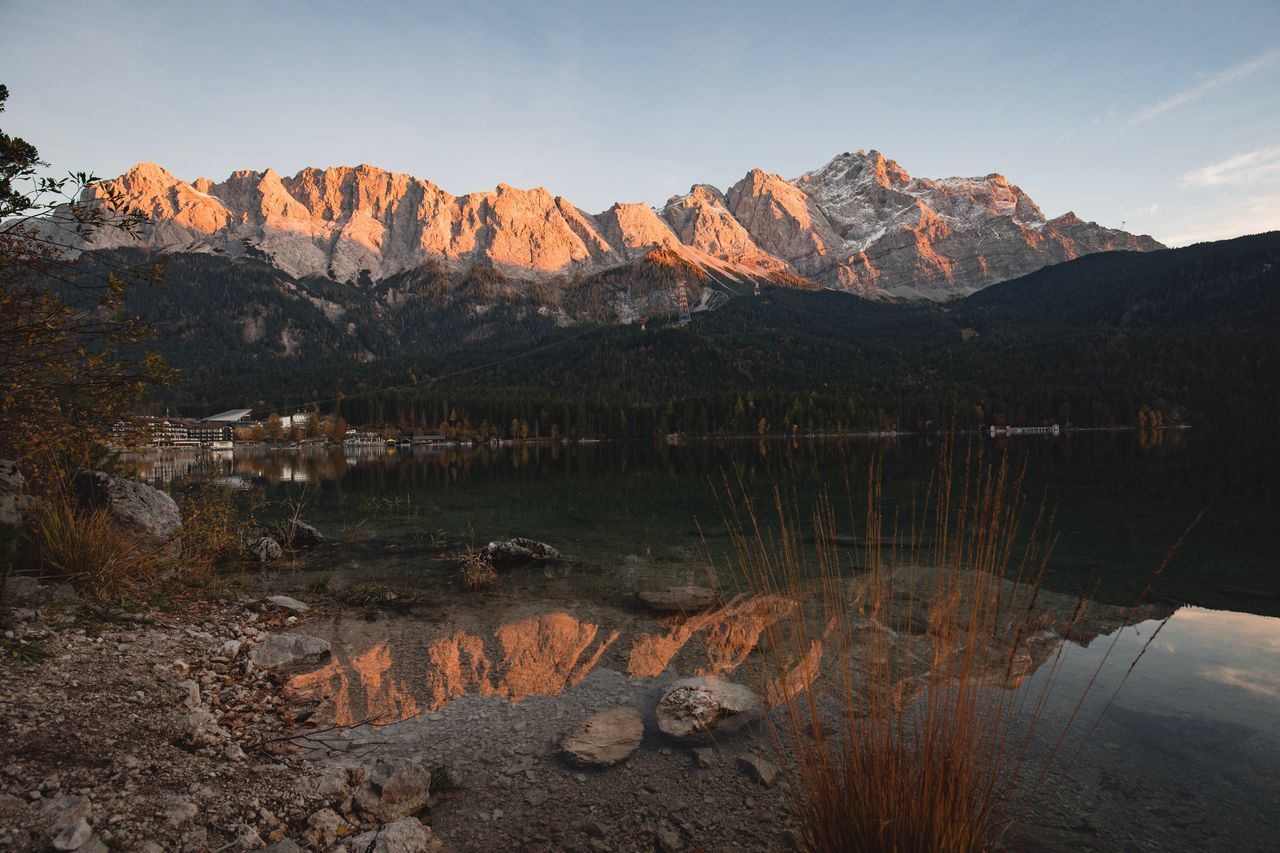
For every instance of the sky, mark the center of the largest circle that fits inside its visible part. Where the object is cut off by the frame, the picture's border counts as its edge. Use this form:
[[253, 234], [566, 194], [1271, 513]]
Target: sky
[[1161, 116]]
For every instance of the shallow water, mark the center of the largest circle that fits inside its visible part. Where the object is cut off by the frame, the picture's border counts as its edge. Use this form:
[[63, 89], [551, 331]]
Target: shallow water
[[1183, 757]]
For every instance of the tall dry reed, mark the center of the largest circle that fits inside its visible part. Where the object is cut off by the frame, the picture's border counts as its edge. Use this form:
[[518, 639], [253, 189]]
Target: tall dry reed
[[894, 678]]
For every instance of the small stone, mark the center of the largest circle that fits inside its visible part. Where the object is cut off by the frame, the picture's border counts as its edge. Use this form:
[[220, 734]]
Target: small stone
[[335, 782], [284, 845], [406, 835], [201, 729], [190, 694], [233, 752], [606, 738], [705, 757], [760, 769], [179, 668], [391, 791], [323, 828], [284, 602], [669, 840], [178, 812], [74, 835], [61, 812]]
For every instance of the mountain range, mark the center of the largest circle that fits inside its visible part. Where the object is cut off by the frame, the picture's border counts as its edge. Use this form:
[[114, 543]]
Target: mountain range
[[859, 224]]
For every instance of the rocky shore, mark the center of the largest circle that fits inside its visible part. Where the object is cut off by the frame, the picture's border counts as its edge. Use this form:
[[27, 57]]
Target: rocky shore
[[193, 729], [172, 730]]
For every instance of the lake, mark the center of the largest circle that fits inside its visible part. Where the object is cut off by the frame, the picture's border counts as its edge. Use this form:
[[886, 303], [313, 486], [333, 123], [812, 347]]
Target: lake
[[1182, 758]]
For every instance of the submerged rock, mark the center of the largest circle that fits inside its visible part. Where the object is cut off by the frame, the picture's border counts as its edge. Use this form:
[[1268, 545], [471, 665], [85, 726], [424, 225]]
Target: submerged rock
[[149, 513], [678, 599], [291, 651], [299, 534], [606, 738], [695, 706], [520, 550]]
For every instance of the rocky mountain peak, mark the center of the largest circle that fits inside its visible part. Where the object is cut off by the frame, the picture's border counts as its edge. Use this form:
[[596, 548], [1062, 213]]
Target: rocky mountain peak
[[860, 222]]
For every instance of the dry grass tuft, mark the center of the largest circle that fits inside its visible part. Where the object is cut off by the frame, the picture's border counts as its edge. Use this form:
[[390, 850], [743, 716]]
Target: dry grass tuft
[[478, 571], [893, 676], [88, 548]]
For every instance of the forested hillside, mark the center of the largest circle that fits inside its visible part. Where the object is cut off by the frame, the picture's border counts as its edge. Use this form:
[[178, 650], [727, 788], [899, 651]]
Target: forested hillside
[[1185, 335]]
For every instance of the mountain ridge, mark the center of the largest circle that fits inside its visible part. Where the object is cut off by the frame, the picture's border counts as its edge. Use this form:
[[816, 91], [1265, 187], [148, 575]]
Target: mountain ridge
[[860, 224]]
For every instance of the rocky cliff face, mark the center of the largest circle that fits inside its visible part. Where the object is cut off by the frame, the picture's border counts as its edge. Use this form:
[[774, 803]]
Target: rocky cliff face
[[860, 223]]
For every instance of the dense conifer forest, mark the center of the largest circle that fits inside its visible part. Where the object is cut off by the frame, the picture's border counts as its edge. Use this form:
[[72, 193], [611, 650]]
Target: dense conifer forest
[[1178, 336]]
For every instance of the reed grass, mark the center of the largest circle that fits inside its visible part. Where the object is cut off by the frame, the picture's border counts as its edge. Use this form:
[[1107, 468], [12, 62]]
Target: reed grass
[[89, 549], [894, 678], [478, 571]]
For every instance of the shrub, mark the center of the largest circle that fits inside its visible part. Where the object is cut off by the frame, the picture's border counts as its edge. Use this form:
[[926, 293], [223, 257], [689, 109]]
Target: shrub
[[214, 525]]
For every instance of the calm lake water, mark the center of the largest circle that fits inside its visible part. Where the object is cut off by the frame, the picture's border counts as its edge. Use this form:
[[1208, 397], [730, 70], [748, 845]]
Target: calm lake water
[[1186, 757]]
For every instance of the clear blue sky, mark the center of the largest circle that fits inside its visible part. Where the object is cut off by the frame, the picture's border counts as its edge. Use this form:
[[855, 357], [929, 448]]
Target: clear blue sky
[[1164, 115]]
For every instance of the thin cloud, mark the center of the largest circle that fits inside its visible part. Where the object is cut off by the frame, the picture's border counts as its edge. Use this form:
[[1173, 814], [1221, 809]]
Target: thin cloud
[[1146, 210], [1245, 169], [1214, 81]]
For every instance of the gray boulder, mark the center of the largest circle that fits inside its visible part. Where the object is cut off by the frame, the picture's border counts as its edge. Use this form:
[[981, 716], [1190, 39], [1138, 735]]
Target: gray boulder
[[696, 706], [391, 791], [284, 652], [605, 738], [520, 550], [149, 513]]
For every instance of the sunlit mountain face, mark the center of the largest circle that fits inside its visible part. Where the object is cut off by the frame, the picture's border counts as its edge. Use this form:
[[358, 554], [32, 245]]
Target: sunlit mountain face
[[860, 223]]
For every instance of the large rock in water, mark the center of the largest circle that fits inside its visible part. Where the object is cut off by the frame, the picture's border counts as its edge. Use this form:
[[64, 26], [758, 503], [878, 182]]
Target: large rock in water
[[520, 550], [606, 738], [678, 599], [695, 706], [149, 513]]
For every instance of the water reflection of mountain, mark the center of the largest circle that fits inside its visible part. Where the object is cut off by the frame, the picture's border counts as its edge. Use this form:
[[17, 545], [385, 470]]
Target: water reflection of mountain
[[397, 668]]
